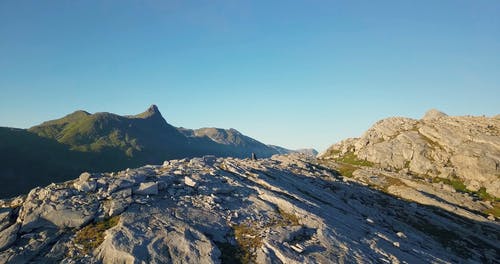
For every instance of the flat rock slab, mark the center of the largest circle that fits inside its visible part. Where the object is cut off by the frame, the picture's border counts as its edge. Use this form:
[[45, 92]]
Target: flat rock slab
[[8, 236], [147, 188]]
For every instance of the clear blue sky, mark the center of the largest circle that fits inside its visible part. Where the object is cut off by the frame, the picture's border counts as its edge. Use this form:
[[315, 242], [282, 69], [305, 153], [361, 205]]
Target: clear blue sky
[[291, 73]]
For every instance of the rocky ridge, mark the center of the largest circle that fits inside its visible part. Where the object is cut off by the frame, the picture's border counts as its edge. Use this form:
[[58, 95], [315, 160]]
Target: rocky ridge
[[462, 149], [286, 209]]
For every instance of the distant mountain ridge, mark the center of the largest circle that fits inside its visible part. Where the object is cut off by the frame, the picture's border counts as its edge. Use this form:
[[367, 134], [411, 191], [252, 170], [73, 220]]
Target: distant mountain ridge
[[106, 141], [231, 139], [147, 136]]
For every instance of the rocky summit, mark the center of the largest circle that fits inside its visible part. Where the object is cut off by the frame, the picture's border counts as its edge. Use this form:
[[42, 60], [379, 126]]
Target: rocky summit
[[284, 209], [464, 150]]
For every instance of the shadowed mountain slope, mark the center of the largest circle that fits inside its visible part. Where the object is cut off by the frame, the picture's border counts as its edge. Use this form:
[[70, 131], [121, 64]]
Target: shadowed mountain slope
[[29, 160], [58, 149]]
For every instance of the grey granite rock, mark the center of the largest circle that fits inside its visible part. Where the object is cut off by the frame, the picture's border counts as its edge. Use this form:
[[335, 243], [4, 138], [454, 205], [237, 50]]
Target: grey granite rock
[[5, 214], [147, 188], [287, 209], [85, 186], [466, 148], [8, 236]]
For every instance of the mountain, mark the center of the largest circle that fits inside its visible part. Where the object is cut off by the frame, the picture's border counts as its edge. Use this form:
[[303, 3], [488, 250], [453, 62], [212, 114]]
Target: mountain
[[460, 150], [286, 209], [306, 151], [145, 137], [231, 141], [57, 150]]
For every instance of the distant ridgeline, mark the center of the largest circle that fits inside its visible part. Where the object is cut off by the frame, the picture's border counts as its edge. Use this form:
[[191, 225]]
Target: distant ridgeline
[[57, 150]]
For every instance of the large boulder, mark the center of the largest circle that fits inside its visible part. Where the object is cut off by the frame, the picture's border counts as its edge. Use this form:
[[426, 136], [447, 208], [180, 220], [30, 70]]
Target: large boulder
[[86, 186], [119, 202], [64, 212], [85, 183]]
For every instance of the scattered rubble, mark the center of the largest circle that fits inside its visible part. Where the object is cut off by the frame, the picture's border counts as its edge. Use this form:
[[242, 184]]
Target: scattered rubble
[[288, 209]]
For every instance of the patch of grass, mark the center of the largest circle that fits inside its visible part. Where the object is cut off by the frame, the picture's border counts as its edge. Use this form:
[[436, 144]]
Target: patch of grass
[[91, 236], [392, 182], [483, 195], [287, 218], [495, 211], [248, 236], [351, 158], [346, 170], [457, 184]]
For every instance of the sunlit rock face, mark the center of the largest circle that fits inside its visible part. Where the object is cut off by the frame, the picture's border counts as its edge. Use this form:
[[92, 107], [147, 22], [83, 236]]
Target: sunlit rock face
[[465, 148], [285, 209]]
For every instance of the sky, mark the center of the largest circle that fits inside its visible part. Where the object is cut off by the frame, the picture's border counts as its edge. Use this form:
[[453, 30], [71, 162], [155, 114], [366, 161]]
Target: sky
[[290, 73]]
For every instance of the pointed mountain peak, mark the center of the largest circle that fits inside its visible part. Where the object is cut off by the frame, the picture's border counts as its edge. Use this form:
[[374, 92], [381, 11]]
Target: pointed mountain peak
[[153, 109], [150, 112]]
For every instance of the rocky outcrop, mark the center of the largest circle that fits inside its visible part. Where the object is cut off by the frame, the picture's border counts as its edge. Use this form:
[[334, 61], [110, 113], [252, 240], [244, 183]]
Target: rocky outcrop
[[464, 148], [286, 209]]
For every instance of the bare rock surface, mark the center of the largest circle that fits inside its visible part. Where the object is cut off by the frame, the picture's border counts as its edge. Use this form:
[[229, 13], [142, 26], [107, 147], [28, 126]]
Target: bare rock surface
[[459, 148], [285, 209]]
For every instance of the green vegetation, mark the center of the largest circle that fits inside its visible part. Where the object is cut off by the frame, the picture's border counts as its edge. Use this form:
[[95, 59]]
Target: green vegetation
[[351, 158], [97, 132], [61, 149], [346, 170], [483, 195], [248, 235], [459, 186], [456, 183], [287, 219], [495, 211], [91, 236], [390, 181], [347, 163]]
